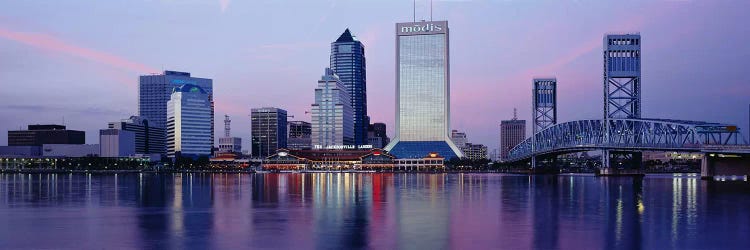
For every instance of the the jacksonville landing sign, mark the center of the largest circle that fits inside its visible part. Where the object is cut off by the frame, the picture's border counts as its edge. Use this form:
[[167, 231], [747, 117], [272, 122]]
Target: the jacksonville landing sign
[[422, 28]]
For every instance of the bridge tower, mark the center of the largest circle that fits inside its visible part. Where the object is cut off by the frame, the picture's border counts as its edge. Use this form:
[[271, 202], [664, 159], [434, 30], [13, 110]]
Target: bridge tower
[[622, 86], [544, 110]]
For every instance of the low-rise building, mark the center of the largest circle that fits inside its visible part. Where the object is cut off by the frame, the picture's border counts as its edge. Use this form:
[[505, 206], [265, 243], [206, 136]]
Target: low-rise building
[[332, 160], [70, 150]]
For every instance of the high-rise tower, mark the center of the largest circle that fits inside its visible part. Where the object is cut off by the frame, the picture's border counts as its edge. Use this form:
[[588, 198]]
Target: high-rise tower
[[422, 91], [348, 62]]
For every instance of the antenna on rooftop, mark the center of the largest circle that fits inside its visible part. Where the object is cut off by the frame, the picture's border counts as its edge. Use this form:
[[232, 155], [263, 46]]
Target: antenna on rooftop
[[515, 114], [414, 17], [430, 10]]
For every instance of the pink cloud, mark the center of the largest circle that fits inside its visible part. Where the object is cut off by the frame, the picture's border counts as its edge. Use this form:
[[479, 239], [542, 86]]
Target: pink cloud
[[51, 43], [224, 4]]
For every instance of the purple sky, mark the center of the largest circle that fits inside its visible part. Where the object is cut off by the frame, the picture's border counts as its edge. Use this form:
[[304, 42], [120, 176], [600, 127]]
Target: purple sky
[[79, 60]]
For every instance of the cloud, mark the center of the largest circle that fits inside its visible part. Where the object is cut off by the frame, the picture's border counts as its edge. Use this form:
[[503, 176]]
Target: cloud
[[51, 43]]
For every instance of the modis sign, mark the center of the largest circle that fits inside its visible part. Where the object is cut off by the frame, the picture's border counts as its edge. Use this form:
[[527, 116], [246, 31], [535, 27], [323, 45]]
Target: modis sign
[[422, 28], [430, 27]]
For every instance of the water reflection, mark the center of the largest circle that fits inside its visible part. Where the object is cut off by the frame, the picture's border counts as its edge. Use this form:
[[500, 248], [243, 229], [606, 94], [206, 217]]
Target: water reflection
[[383, 211]]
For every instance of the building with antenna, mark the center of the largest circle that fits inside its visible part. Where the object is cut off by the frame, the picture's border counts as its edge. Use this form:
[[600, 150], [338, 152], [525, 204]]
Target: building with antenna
[[229, 144], [422, 92], [512, 132]]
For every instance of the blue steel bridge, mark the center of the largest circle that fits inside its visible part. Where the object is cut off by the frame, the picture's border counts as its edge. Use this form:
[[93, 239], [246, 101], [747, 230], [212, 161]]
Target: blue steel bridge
[[631, 135]]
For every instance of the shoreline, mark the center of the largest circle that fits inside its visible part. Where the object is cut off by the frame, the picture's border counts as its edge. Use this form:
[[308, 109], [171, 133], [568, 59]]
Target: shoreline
[[59, 171]]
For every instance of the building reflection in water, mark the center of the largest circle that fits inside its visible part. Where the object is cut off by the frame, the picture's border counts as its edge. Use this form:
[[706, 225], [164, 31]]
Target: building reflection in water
[[369, 210]]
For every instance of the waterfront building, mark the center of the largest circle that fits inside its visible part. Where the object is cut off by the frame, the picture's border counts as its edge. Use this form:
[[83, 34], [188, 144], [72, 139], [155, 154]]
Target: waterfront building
[[116, 143], [459, 138], [348, 62], [512, 132], [148, 138], [332, 160], [430, 162], [474, 151], [37, 135], [332, 122], [300, 133], [229, 144], [268, 130], [70, 150], [154, 91], [189, 122], [422, 91]]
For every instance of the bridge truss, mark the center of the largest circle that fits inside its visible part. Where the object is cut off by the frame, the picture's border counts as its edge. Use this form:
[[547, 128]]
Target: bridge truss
[[631, 135]]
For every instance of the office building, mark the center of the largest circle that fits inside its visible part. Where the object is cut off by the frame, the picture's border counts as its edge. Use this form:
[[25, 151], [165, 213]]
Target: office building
[[300, 133], [154, 91], [512, 132], [229, 144], [622, 76], [189, 122], [459, 138], [475, 151], [376, 135], [38, 135], [332, 122], [20, 151], [348, 62], [148, 138], [116, 143], [269, 131], [422, 91]]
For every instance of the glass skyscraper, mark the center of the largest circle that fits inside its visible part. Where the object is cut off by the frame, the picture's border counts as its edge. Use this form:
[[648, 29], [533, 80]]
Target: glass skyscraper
[[269, 130], [348, 62], [332, 123], [189, 122], [422, 91], [154, 91]]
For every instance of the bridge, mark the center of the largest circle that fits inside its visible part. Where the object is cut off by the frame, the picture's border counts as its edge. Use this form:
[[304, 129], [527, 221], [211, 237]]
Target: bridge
[[632, 135], [622, 133]]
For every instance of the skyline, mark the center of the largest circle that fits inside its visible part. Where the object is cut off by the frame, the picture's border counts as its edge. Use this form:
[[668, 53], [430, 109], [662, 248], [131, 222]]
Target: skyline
[[279, 70]]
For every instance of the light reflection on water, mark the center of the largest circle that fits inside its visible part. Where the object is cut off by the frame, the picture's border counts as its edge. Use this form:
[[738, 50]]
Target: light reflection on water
[[384, 211]]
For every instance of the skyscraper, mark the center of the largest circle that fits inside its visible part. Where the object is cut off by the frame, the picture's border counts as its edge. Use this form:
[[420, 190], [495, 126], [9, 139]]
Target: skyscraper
[[422, 91], [189, 119], [300, 133], [512, 132], [348, 62], [269, 132], [332, 122], [154, 91]]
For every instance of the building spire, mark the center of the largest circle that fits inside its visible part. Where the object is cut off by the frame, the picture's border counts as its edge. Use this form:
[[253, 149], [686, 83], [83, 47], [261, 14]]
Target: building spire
[[515, 114]]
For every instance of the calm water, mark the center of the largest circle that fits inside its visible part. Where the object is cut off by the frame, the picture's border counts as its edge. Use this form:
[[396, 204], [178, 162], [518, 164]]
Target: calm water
[[381, 211]]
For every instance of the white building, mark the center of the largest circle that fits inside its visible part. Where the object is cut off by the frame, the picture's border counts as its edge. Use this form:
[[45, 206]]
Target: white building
[[116, 143], [189, 122], [332, 119]]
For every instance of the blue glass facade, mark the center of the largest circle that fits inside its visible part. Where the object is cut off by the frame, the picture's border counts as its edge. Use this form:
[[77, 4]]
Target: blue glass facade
[[154, 91], [348, 62], [420, 149]]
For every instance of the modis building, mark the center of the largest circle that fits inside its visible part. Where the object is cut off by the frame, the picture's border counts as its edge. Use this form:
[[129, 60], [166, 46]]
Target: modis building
[[422, 91]]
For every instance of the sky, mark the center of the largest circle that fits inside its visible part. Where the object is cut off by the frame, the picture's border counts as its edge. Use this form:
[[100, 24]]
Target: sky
[[78, 61]]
